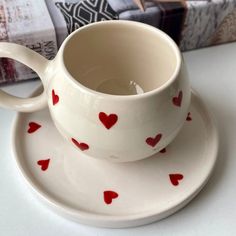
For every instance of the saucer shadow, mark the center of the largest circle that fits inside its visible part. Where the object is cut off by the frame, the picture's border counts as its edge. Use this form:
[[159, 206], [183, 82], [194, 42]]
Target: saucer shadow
[[221, 164]]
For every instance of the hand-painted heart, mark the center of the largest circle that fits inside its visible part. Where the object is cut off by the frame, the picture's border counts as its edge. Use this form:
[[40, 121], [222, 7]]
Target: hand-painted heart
[[33, 126], [189, 118], [178, 100], [109, 196], [175, 178], [81, 146], [108, 120], [163, 150], [153, 141], [55, 98], [44, 164]]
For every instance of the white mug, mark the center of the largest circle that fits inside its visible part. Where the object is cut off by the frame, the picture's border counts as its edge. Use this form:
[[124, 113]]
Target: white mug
[[117, 90]]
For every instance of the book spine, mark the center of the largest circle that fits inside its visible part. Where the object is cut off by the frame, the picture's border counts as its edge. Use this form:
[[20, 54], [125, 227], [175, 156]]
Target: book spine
[[25, 22]]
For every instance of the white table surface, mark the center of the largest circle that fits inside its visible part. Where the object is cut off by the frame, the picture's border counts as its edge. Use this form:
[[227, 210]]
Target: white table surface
[[213, 212]]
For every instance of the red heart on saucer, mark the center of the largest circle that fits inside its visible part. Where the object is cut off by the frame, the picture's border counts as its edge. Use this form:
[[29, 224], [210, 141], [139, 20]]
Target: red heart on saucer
[[81, 146], [189, 118], [109, 196], [108, 120], [178, 100], [175, 178], [33, 126], [153, 141], [44, 164], [163, 150], [55, 98]]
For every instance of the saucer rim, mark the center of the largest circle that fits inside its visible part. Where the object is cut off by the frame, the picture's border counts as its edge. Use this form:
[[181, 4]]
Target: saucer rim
[[118, 221]]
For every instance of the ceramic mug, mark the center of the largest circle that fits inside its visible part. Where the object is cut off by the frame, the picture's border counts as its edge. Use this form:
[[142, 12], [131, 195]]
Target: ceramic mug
[[117, 90]]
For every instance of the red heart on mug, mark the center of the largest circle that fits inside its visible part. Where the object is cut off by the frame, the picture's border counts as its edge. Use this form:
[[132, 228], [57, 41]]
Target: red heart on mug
[[33, 126], [175, 178], [153, 141], [55, 98], [178, 100], [108, 120], [44, 164], [109, 196], [81, 146], [189, 118]]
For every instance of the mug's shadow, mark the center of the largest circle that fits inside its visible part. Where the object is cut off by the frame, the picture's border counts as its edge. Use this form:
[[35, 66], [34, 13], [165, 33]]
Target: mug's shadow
[[216, 178]]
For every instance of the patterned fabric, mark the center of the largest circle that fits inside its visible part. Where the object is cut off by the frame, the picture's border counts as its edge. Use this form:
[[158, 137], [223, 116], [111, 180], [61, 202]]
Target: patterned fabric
[[172, 19], [85, 12], [167, 16]]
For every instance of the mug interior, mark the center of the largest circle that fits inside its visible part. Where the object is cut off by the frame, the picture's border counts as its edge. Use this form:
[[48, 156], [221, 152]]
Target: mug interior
[[120, 58]]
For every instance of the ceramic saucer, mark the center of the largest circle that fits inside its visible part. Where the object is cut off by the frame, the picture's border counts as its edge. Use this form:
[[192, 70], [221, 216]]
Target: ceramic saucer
[[105, 194]]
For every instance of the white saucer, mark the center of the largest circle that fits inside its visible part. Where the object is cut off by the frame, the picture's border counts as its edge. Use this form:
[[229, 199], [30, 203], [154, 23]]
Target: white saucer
[[73, 185]]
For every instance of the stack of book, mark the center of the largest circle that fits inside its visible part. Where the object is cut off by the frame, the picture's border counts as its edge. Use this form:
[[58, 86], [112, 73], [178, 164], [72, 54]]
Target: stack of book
[[43, 25]]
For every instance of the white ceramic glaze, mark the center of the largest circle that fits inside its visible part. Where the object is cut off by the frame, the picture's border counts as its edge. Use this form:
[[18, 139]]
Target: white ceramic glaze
[[73, 185], [117, 90]]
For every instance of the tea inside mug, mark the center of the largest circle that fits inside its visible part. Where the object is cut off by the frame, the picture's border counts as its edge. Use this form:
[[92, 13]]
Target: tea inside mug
[[120, 58]]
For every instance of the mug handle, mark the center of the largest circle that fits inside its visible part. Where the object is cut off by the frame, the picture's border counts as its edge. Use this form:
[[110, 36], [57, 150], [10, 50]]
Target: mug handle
[[36, 62]]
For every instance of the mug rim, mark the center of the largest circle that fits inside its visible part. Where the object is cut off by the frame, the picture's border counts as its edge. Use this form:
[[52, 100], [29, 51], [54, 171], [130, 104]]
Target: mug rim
[[152, 92]]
